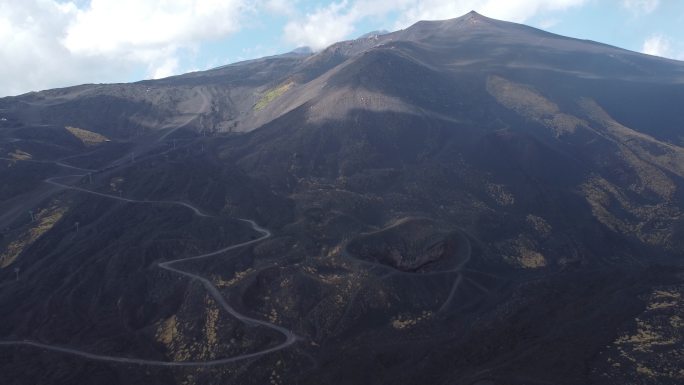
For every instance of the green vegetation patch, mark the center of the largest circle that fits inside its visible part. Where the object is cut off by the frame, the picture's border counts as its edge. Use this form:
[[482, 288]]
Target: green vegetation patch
[[271, 95]]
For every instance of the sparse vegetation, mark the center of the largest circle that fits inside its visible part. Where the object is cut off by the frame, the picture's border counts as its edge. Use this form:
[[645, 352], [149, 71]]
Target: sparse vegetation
[[439, 215], [648, 351], [45, 220], [408, 321], [89, 138], [271, 95]]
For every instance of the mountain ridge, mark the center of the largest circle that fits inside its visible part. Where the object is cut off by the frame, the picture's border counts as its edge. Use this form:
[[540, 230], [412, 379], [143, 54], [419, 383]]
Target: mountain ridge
[[463, 201]]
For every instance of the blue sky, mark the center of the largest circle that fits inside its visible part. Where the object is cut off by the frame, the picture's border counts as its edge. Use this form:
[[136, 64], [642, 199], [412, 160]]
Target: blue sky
[[54, 43]]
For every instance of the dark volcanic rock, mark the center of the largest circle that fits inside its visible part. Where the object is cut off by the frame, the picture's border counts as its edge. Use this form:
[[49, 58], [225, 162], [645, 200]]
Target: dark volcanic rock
[[408, 244], [540, 180]]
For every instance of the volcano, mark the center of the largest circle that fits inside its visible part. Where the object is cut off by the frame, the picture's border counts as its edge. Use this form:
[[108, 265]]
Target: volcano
[[466, 201]]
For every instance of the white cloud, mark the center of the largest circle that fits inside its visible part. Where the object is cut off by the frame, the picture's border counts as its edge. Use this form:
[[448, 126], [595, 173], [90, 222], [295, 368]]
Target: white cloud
[[168, 68], [281, 7], [639, 7], [327, 24], [140, 27], [657, 45], [548, 23], [53, 43], [338, 20], [31, 56]]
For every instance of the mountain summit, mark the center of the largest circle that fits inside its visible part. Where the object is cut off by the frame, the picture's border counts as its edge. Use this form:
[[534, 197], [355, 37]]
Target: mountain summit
[[465, 201]]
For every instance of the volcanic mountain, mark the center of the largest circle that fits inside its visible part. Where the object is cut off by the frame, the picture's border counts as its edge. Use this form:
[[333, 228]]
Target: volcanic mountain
[[467, 201]]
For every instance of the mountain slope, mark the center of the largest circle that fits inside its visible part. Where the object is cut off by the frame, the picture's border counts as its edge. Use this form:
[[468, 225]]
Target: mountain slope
[[463, 201]]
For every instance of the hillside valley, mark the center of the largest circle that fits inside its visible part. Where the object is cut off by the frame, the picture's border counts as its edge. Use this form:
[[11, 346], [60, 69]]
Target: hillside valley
[[467, 201]]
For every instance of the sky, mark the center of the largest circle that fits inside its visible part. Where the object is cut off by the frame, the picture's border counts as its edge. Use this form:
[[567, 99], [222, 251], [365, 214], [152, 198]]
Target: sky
[[56, 43]]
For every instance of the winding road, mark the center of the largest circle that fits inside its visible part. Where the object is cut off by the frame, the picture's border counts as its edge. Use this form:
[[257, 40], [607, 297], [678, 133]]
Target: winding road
[[290, 336], [50, 162], [194, 209]]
